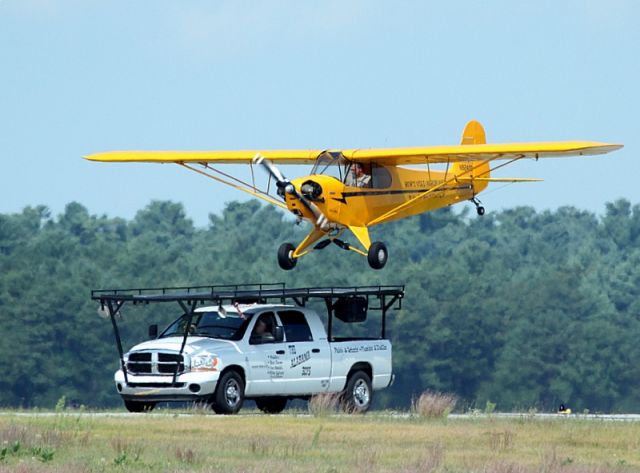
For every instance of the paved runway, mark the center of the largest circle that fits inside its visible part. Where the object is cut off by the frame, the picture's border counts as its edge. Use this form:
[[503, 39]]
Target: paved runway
[[387, 414]]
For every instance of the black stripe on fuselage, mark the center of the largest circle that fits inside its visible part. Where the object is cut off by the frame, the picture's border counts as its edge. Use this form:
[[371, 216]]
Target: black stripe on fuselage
[[396, 192]]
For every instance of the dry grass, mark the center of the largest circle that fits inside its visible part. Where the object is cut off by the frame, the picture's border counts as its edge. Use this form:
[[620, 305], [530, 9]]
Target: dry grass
[[429, 462], [510, 467], [185, 455], [501, 440], [324, 404], [434, 404], [303, 443]]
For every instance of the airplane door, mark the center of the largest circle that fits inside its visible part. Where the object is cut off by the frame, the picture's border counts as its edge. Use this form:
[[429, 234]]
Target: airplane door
[[307, 364]]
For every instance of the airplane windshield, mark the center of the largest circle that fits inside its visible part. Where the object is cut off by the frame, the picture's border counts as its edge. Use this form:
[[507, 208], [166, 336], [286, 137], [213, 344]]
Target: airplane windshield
[[331, 164], [211, 324]]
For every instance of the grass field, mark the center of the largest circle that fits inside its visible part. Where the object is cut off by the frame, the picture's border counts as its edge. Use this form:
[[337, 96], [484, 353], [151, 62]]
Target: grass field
[[78, 442]]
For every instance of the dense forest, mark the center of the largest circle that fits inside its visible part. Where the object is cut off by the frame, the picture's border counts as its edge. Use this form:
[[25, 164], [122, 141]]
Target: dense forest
[[521, 308]]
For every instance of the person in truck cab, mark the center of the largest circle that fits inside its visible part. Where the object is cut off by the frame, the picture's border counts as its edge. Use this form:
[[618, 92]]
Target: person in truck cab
[[263, 330]]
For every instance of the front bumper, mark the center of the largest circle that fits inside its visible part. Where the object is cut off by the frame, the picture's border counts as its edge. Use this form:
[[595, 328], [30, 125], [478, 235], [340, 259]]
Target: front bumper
[[188, 387]]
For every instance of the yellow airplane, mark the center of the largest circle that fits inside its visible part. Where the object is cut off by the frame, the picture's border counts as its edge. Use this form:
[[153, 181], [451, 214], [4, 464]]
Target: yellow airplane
[[357, 188]]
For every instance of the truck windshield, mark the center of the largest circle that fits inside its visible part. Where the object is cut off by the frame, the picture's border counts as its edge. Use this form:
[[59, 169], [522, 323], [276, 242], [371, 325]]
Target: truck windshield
[[231, 326]]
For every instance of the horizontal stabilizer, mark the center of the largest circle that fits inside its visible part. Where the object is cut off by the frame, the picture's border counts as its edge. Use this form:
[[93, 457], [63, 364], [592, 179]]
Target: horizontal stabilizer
[[499, 179]]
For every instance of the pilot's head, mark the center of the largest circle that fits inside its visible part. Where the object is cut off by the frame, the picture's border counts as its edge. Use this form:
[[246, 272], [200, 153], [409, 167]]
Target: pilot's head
[[358, 169]]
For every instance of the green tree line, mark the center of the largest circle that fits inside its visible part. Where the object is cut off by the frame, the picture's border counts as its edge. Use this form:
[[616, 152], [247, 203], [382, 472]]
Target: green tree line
[[522, 308]]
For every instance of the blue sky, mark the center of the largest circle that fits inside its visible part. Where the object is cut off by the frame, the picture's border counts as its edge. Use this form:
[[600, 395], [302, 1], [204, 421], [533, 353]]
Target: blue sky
[[79, 77]]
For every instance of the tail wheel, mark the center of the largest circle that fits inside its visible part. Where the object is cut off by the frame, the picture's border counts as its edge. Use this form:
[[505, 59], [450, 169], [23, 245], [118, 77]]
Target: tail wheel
[[285, 256], [358, 394], [480, 210], [271, 405], [229, 394], [377, 255]]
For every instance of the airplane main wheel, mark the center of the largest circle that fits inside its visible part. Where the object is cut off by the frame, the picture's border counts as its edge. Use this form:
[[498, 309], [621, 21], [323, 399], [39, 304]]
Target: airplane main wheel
[[480, 210], [285, 256], [377, 255]]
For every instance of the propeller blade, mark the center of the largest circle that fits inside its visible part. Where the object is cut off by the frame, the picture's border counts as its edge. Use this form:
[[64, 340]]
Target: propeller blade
[[271, 169], [284, 183], [321, 220]]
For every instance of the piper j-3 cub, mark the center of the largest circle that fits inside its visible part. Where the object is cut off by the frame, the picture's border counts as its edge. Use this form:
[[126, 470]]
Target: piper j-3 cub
[[355, 189]]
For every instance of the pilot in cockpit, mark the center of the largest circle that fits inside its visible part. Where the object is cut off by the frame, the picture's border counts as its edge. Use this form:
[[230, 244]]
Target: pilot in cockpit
[[358, 177]]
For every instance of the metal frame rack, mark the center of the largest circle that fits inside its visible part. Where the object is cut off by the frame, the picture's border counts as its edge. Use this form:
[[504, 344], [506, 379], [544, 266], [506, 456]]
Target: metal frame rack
[[188, 298]]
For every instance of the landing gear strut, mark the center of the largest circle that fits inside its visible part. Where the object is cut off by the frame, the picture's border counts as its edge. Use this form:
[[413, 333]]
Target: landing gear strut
[[377, 253], [479, 208]]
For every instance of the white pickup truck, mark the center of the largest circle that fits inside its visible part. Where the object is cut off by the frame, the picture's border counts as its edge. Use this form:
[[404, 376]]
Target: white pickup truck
[[226, 353]]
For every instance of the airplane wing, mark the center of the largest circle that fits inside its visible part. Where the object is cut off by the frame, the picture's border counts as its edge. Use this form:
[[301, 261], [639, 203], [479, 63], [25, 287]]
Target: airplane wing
[[484, 152], [384, 156], [218, 157]]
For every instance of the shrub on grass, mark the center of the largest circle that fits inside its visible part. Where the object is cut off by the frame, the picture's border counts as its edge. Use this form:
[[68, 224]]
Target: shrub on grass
[[434, 404], [323, 404]]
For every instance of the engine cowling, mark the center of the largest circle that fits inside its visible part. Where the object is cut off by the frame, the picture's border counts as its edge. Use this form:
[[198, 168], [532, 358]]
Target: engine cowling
[[311, 190]]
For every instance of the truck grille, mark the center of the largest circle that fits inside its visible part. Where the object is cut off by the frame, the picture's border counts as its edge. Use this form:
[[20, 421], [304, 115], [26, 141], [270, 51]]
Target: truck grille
[[154, 363]]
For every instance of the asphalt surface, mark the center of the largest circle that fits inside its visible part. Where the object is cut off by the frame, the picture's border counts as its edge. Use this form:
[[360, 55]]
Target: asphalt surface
[[399, 415]]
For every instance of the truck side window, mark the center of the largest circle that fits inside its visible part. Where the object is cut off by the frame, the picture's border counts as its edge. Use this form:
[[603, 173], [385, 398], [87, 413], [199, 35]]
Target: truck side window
[[296, 328], [263, 329]]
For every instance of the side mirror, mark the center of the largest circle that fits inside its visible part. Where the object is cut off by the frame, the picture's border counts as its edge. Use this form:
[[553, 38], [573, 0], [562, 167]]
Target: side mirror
[[153, 331], [278, 333]]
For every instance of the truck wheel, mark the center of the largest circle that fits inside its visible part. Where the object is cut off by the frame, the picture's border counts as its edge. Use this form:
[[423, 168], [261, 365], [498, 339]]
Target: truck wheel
[[357, 395], [377, 255], [271, 405], [285, 260], [229, 394], [134, 406]]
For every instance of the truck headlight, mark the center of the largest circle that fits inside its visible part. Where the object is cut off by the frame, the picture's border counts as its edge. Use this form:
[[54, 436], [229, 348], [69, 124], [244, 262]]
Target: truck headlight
[[204, 363]]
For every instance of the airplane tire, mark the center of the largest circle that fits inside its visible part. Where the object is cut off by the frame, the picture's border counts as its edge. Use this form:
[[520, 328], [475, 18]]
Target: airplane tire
[[480, 210], [377, 255], [285, 260]]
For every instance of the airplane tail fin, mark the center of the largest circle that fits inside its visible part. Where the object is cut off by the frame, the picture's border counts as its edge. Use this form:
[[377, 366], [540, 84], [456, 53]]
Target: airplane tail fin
[[473, 134]]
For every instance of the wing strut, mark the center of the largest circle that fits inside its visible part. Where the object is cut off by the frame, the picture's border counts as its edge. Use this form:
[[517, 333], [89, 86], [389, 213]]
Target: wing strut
[[444, 183], [244, 187]]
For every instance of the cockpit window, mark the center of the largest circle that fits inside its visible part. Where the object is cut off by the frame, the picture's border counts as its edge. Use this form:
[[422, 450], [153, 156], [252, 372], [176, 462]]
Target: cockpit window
[[367, 175], [332, 164], [380, 177]]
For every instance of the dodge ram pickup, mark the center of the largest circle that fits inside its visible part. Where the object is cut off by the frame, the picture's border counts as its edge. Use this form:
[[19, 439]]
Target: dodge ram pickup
[[225, 353]]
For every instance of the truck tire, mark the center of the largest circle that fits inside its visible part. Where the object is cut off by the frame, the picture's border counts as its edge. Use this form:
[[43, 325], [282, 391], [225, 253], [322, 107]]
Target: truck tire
[[134, 406], [229, 394], [271, 405], [357, 395]]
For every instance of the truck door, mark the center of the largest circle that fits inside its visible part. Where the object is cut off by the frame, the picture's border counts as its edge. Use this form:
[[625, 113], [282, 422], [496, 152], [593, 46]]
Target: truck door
[[307, 365], [266, 358]]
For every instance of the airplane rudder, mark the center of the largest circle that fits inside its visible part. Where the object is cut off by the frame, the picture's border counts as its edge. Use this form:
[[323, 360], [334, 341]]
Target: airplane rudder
[[473, 134]]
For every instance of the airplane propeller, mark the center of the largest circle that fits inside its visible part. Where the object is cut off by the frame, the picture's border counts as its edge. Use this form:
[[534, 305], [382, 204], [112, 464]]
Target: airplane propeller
[[285, 185]]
